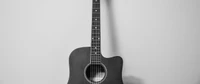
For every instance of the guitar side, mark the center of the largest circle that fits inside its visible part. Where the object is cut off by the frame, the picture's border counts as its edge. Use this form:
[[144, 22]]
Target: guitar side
[[80, 58]]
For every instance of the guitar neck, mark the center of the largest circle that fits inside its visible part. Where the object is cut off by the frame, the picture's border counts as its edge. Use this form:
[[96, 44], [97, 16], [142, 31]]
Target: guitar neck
[[95, 32]]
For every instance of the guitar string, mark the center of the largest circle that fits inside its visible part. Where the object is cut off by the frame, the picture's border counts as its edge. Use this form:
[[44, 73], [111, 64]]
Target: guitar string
[[98, 59], [97, 51], [100, 30], [91, 54], [93, 46], [99, 39], [98, 54]]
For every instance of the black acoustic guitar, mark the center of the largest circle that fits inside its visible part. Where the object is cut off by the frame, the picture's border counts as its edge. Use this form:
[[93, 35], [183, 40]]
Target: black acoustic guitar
[[88, 66]]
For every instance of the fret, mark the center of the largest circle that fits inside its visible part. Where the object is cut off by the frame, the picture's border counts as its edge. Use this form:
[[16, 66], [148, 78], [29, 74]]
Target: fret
[[96, 58], [95, 54], [96, 31], [98, 37], [95, 23], [96, 5], [96, 28], [95, 15], [96, 45], [94, 41], [95, 38], [96, 1], [95, 50], [96, 19], [95, 10], [95, 34], [96, 62]]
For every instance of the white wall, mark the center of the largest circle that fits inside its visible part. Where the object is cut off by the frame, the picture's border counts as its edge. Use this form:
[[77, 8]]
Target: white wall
[[158, 39]]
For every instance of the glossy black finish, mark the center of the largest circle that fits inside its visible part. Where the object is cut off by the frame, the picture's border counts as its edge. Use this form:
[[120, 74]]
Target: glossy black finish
[[80, 58]]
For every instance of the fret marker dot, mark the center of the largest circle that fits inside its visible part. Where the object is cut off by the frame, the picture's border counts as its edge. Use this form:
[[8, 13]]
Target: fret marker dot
[[95, 27], [95, 19], [95, 10]]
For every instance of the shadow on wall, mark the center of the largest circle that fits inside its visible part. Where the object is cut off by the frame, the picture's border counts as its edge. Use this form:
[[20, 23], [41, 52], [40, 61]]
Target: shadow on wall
[[132, 80], [114, 43], [112, 28], [198, 82]]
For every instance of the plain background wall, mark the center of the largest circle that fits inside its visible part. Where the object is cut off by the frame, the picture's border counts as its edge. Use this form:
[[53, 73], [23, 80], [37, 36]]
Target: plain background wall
[[159, 40]]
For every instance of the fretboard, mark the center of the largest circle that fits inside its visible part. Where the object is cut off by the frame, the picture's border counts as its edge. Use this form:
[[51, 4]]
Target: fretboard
[[95, 33]]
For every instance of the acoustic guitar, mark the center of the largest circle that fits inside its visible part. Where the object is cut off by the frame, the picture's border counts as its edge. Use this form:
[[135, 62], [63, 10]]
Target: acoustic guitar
[[88, 66]]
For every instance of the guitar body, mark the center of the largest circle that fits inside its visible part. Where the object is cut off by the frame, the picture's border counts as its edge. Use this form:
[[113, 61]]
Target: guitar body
[[80, 58], [87, 65]]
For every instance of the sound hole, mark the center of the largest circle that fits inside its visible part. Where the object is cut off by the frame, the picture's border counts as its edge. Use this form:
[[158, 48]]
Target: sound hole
[[95, 73]]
